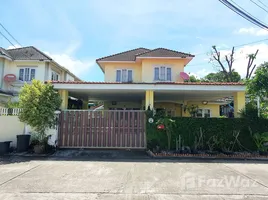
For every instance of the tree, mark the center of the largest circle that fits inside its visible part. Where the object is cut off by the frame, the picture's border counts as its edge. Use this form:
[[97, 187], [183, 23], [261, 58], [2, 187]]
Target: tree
[[38, 102], [220, 77], [258, 85], [229, 59], [193, 79]]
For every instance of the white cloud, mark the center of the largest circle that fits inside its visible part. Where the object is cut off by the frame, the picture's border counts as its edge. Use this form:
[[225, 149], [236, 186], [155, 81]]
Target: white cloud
[[14, 47], [76, 66], [252, 31]]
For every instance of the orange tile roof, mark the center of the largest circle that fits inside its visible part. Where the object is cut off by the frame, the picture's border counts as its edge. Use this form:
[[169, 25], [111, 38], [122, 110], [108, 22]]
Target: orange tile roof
[[155, 83]]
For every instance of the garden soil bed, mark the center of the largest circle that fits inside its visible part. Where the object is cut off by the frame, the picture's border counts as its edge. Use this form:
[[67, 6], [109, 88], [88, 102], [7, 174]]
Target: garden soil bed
[[236, 156]]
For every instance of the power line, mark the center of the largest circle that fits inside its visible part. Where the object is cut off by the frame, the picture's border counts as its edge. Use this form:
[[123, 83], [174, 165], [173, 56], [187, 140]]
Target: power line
[[205, 63], [259, 6], [240, 45], [7, 39], [243, 14], [246, 11], [9, 34], [262, 3]]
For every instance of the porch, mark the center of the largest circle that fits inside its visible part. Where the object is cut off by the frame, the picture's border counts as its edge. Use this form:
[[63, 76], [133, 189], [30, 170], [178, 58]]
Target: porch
[[174, 98]]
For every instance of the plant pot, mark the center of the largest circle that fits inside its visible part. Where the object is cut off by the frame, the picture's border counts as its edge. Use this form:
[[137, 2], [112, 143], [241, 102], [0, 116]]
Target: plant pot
[[4, 147], [23, 142], [39, 149]]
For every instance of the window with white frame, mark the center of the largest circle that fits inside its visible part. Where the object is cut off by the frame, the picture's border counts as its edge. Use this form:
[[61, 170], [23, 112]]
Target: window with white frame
[[27, 74], [162, 73], [203, 113], [124, 75], [54, 76]]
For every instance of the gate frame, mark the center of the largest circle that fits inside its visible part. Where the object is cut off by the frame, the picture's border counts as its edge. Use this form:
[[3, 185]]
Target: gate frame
[[60, 121]]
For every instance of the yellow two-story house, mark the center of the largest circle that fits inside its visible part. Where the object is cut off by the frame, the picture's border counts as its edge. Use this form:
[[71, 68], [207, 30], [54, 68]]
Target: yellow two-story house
[[141, 79]]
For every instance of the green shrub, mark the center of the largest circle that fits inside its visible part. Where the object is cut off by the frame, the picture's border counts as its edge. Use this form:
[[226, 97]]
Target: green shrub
[[222, 131]]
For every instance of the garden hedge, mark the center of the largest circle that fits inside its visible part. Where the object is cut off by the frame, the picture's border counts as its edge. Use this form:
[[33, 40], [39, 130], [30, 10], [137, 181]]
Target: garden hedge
[[223, 129]]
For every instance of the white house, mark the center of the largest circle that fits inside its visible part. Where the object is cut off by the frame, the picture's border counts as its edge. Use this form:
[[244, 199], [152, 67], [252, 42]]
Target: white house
[[21, 65]]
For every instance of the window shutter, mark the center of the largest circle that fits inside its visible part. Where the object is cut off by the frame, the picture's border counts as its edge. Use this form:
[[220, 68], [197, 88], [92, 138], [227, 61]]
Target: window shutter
[[118, 75], [156, 73], [21, 73], [32, 74], [129, 76], [168, 74]]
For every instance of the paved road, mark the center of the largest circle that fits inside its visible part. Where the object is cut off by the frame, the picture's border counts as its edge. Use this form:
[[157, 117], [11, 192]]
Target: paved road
[[80, 180]]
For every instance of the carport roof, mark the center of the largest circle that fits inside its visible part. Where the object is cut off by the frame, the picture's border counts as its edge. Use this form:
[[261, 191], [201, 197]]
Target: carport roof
[[153, 83]]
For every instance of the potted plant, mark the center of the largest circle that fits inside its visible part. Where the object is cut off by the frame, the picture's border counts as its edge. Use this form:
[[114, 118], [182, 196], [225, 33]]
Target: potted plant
[[39, 102], [39, 143]]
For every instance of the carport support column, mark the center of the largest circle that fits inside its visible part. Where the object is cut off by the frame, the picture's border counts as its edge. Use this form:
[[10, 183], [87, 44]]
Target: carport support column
[[149, 99], [85, 105], [239, 102], [64, 96]]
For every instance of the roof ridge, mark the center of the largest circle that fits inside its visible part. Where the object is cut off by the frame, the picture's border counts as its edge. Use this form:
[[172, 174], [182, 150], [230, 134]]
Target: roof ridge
[[188, 54], [122, 53], [18, 48], [41, 52]]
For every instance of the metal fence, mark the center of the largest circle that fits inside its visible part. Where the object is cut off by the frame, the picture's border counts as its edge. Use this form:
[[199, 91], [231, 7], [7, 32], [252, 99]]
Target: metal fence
[[10, 111]]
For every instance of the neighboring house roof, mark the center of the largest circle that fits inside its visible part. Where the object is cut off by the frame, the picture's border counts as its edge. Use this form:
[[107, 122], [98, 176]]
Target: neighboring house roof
[[131, 55], [4, 52], [27, 53], [31, 53], [155, 83]]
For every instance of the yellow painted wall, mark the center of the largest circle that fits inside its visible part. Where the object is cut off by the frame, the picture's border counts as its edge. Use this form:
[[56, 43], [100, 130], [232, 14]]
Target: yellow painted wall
[[144, 71], [108, 104], [110, 71], [214, 109], [170, 106], [148, 65], [239, 102]]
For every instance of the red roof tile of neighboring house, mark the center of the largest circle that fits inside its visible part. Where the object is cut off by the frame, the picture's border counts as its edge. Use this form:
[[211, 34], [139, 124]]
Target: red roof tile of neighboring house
[[156, 83], [131, 55]]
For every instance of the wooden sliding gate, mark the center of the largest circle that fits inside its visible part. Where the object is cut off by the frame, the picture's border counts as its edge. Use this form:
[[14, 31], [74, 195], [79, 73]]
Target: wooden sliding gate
[[102, 129]]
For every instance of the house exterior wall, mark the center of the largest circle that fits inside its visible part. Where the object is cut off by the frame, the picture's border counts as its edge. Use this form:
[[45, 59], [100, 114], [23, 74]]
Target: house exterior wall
[[144, 71], [148, 65], [110, 71], [170, 107], [108, 105], [2, 63], [214, 109], [69, 77]]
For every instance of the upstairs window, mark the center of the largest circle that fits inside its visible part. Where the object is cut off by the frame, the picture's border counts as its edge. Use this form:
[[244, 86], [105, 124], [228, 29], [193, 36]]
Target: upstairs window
[[124, 75], [26, 74], [54, 76], [162, 73]]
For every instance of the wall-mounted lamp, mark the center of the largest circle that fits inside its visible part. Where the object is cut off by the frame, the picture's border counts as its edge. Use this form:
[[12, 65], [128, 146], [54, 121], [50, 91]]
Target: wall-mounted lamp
[[205, 102]]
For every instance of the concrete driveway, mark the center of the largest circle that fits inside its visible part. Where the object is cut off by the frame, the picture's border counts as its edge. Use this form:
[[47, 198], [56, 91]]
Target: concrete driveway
[[137, 179]]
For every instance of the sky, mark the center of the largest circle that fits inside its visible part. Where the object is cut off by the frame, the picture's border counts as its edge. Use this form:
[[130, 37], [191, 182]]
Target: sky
[[76, 33]]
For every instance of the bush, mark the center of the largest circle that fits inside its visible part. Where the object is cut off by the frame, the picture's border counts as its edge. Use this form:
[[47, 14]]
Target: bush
[[220, 130]]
